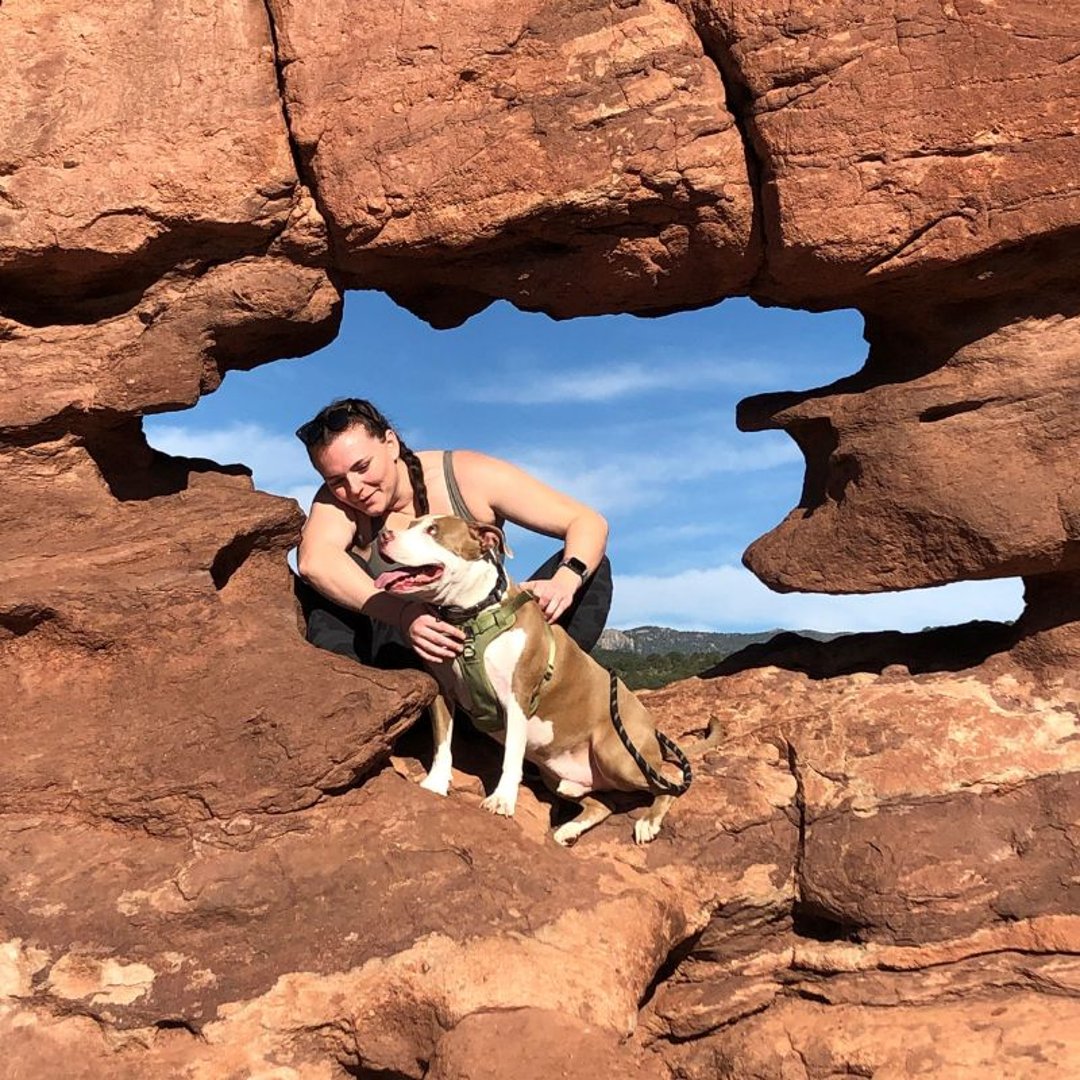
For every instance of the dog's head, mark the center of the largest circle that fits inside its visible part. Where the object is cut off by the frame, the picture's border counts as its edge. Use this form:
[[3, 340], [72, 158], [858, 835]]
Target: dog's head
[[442, 559]]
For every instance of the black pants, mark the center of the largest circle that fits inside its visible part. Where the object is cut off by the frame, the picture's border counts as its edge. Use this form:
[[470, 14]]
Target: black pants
[[367, 641]]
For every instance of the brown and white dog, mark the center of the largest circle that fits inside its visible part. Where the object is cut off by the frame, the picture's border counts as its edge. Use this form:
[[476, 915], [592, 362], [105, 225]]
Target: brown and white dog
[[452, 564]]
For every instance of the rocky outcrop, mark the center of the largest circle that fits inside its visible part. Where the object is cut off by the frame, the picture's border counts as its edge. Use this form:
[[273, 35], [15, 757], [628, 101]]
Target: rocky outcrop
[[153, 230], [934, 925], [950, 455], [575, 160], [156, 666], [359, 933], [210, 868], [873, 869], [898, 145]]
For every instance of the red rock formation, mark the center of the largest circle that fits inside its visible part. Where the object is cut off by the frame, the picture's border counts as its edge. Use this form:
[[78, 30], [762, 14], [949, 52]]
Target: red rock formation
[[150, 211], [895, 143], [950, 455], [934, 926], [875, 871], [575, 159]]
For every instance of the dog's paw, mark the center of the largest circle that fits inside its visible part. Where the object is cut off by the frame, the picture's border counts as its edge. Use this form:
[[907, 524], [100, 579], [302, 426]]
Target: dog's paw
[[645, 830], [499, 803], [567, 834], [436, 783]]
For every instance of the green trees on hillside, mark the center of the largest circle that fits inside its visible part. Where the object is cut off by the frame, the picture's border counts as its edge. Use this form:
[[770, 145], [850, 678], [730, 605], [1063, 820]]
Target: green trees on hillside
[[653, 670]]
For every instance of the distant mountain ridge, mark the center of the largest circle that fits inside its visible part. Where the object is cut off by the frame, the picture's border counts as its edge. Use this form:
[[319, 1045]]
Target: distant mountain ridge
[[649, 640]]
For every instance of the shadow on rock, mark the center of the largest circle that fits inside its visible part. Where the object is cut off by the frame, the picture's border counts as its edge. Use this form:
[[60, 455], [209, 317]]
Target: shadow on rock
[[942, 648]]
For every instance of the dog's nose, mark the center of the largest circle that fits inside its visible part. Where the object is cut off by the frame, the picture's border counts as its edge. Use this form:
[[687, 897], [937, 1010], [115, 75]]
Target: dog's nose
[[383, 536]]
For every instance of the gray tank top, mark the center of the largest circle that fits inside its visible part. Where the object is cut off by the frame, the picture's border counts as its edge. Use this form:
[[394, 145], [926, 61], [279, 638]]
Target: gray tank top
[[375, 564]]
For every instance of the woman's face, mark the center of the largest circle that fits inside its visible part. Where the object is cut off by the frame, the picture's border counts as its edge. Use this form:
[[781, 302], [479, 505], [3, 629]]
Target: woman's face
[[360, 470]]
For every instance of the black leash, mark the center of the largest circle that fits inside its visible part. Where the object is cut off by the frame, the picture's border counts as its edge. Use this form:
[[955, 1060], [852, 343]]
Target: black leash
[[673, 753]]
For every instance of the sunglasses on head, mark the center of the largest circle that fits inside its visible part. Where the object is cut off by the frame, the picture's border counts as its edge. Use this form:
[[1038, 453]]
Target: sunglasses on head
[[332, 419]]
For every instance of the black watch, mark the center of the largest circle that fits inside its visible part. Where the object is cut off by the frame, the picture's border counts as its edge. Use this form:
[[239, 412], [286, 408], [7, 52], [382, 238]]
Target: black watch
[[577, 566]]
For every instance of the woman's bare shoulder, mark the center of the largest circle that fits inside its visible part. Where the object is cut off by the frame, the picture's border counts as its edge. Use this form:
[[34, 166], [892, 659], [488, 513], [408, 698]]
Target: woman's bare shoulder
[[473, 463], [481, 475]]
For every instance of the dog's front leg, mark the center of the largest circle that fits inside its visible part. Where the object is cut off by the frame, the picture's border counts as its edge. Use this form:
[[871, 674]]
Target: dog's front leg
[[501, 661], [504, 798], [442, 727]]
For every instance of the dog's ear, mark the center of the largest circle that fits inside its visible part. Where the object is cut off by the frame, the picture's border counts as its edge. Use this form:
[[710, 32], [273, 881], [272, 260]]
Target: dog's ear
[[491, 537]]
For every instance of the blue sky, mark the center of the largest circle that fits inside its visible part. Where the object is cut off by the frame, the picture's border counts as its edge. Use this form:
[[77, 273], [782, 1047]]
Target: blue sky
[[633, 416]]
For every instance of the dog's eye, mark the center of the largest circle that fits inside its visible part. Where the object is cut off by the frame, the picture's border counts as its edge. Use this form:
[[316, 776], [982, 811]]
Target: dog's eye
[[432, 529]]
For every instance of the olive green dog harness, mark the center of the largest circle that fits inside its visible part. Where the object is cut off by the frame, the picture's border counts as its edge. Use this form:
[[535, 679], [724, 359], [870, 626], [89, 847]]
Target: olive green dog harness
[[487, 712]]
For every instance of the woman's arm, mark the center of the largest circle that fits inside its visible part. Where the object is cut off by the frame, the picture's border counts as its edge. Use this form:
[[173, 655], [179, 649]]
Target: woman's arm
[[324, 561], [323, 556], [508, 492]]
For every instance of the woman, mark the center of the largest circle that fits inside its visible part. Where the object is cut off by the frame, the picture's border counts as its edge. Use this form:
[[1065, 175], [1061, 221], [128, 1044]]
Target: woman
[[371, 479]]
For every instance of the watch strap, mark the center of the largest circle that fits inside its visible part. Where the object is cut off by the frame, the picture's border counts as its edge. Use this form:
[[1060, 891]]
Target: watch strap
[[577, 566]]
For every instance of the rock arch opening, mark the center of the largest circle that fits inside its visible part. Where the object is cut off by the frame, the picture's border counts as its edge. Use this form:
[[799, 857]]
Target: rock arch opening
[[634, 416]]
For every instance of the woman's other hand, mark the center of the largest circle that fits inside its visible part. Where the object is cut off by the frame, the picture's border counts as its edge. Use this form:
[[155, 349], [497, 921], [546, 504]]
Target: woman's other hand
[[433, 640], [554, 595]]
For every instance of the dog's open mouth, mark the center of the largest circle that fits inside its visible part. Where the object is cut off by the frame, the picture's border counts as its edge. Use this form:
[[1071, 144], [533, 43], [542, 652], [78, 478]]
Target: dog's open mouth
[[408, 578]]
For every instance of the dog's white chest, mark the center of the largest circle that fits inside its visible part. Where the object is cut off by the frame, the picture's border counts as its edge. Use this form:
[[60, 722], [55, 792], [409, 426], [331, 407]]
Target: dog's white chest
[[501, 660]]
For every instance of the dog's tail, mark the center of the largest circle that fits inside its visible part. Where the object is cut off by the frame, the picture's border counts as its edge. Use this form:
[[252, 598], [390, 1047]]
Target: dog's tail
[[668, 747]]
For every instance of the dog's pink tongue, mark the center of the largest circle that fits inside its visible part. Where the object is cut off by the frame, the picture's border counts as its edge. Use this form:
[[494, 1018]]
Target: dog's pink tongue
[[387, 579]]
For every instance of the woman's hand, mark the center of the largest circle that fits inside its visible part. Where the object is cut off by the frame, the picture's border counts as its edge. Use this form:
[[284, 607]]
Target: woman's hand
[[433, 640], [554, 595]]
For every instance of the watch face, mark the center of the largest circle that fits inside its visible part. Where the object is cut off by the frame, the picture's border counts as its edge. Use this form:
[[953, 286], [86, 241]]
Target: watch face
[[576, 565]]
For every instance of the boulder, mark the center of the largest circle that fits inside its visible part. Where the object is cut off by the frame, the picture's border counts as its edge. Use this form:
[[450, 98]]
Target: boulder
[[573, 160]]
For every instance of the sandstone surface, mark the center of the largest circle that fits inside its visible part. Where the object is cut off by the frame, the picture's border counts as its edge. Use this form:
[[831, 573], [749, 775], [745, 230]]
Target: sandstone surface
[[153, 229], [158, 620], [216, 861], [870, 869], [135, 136], [899, 143], [934, 926], [354, 934], [578, 159], [950, 455]]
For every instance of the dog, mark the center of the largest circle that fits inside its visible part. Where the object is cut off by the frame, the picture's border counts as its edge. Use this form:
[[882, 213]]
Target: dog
[[553, 704]]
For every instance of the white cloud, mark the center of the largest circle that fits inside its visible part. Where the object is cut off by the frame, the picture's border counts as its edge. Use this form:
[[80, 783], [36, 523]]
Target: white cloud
[[279, 463], [731, 598], [613, 481], [609, 381], [674, 532]]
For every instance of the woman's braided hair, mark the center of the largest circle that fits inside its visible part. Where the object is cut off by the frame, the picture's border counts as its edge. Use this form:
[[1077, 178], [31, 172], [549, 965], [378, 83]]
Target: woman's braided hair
[[416, 478], [345, 413]]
